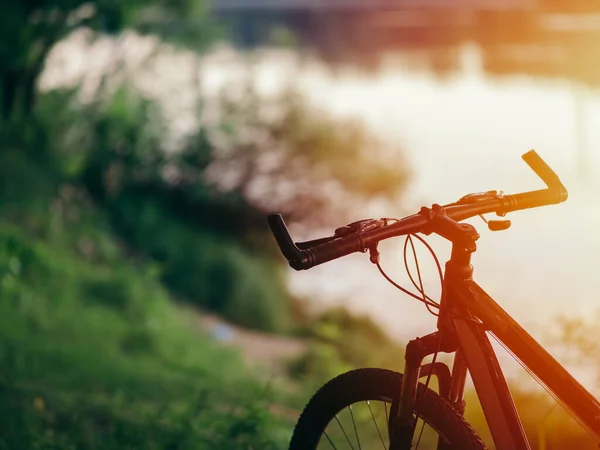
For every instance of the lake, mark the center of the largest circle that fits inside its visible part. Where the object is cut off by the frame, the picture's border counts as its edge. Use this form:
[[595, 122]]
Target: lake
[[460, 135]]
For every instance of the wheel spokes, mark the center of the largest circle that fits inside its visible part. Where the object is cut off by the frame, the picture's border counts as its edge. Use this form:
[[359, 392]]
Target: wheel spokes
[[329, 439], [355, 430], [361, 428], [376, 426], [344, 431]]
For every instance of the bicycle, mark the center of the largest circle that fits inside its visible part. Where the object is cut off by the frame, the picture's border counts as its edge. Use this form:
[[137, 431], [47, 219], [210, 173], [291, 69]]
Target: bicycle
[[466, 316]]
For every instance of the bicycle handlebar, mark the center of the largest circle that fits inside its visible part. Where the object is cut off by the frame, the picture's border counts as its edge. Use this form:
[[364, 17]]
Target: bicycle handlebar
[[328, 249]]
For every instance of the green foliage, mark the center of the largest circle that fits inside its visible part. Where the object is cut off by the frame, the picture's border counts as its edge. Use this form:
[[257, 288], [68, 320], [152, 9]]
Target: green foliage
[[100, 222], [30, 29], [333, 165], [342, 341], [282, 36], [94, 356], [182, 22], [210, 242], [24, 183], [195, 233]]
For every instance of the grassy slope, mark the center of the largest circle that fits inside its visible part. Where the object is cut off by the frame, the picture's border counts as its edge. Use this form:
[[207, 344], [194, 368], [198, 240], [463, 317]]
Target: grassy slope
[[93, 355]]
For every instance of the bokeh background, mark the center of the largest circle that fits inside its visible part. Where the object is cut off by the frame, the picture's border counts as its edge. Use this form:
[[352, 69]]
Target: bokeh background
[[143, 301]]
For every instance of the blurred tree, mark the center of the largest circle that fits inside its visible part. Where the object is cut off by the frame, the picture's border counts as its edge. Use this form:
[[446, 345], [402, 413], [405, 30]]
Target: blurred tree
[[198, 211], [287, 156], [298, 156], [187, 208], [30, 28]]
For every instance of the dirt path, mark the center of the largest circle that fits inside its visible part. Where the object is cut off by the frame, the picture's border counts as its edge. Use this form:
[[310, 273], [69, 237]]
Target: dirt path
[[262, 350]]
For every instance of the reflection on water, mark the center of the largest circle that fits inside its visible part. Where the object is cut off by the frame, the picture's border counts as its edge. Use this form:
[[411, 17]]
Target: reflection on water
[[461, 135], [467, 135]]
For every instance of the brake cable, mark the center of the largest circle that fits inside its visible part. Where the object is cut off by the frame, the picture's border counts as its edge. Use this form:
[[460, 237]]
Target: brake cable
[[425, 299], [437, 262]]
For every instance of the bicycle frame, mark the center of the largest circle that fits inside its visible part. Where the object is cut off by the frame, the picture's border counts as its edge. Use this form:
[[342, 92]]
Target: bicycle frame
[[467, 314]]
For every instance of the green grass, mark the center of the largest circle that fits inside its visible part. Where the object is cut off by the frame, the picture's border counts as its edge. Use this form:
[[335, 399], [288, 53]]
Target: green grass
[[95, 356]]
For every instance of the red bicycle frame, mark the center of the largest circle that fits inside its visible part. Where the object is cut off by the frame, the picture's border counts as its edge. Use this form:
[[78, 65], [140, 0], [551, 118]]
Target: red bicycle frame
[[467, 315]]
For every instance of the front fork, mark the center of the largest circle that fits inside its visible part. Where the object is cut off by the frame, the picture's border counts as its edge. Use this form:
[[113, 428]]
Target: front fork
[[451, 386]]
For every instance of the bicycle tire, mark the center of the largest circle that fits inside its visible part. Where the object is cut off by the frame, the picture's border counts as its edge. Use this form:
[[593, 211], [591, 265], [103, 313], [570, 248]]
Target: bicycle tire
[[379, 385]]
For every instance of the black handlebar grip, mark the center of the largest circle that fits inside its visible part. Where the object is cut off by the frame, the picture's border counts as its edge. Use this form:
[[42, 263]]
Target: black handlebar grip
[[333, 250], [283, 238], [314, 243], [313, 256], [558, 193]]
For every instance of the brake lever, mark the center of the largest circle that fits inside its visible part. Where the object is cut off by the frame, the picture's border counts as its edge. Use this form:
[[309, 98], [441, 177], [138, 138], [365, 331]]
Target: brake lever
[[360, 226], [496, 225]]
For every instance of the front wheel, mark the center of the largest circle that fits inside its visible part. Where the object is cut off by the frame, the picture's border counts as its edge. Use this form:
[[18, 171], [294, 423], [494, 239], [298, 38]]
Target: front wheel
[[352, 412]]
